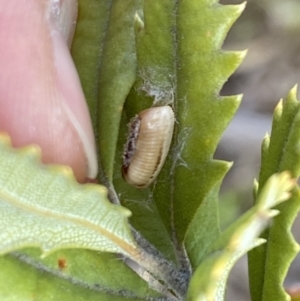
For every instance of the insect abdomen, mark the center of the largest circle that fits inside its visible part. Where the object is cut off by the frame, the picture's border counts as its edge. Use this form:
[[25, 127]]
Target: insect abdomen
[[148, 145]]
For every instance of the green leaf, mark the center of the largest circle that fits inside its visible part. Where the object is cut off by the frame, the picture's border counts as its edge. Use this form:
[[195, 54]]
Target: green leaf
[[209, 280], [197, 41], [268, 264], [104, 54], [23, 276], [203, 115], [87, 48], [45, 207], [180, 62], [69, 275]]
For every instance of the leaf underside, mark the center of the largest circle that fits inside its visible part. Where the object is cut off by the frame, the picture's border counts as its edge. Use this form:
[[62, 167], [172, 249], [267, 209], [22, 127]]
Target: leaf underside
[[45, 207]]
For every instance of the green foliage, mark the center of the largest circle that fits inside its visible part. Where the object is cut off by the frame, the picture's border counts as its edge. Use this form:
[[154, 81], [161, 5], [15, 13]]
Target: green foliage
[[268, 264], [171, 45], [132, 55], [104, 53], [209, 280], [69, 275], [45, 207]]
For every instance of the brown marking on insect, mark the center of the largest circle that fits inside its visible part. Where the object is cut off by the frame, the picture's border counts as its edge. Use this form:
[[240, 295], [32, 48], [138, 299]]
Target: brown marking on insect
[[130, 146]]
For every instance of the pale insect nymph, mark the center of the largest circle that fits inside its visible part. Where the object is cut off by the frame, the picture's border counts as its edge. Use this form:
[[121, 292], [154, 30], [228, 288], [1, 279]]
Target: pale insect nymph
[[149, 139]]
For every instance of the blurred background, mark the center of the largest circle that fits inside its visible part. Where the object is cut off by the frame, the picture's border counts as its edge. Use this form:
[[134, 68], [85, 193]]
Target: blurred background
[[270, 30]]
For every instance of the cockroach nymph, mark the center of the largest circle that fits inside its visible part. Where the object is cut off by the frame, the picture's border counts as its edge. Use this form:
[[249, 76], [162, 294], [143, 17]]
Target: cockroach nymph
[[148, 143]]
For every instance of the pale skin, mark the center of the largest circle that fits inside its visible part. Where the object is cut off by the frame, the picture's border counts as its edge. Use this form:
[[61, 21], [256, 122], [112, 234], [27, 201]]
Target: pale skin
[[41, 98]]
